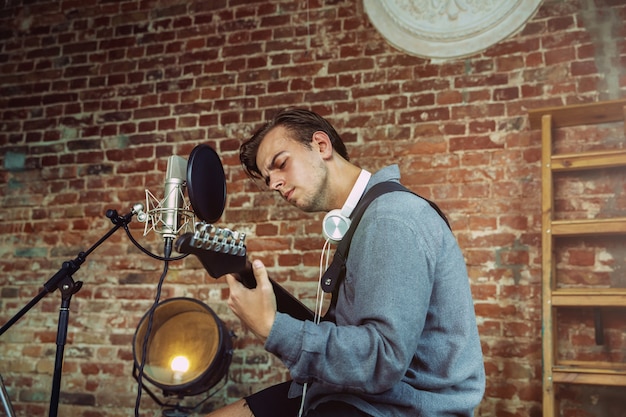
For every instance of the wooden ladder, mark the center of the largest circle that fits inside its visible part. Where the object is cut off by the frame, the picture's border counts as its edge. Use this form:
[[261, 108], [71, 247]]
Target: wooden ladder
[[554, 370]]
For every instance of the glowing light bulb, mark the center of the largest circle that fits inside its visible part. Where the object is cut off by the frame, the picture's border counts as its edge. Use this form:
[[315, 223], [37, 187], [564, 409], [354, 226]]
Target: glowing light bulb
[[180, 365]]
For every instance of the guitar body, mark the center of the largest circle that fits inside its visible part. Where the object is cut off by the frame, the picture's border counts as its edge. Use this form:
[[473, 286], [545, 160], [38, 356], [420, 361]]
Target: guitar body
[[222, 251]]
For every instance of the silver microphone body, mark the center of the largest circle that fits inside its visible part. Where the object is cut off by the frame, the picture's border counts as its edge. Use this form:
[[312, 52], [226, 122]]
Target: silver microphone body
[[173, 197]]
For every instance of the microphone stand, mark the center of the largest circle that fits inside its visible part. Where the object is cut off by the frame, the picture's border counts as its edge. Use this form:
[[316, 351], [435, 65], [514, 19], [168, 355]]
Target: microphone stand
[[64, 282]]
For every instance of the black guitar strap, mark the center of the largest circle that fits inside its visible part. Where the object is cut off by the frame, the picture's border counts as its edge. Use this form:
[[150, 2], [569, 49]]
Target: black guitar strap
[[337, 269]]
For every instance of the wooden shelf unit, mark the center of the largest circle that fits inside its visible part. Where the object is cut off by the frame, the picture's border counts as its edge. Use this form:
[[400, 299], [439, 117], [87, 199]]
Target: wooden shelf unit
[[548, 120]]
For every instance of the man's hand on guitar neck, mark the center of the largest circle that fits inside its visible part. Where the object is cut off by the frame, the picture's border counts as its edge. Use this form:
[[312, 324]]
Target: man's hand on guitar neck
[[255, 307]]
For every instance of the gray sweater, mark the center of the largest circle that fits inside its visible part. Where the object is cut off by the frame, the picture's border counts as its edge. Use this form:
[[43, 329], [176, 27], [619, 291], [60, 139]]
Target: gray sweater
[[405, 341]]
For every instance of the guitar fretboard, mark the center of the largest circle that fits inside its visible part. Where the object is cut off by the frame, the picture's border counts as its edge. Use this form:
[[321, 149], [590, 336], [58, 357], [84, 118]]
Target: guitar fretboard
[[209, 237]]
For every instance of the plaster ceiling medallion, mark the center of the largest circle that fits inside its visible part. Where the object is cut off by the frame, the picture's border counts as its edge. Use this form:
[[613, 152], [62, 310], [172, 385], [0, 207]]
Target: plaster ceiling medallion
[[448, 29]]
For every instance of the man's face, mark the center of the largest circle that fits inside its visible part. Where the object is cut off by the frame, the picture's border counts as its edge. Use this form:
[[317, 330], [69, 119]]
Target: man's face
[[295, 171]]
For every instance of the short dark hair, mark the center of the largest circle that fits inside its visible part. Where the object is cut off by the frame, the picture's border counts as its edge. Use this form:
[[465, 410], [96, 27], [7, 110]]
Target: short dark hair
[[301, 123]]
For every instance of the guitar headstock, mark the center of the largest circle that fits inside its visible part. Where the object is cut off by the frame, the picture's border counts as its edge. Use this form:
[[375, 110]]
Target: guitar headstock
[[221, 251]]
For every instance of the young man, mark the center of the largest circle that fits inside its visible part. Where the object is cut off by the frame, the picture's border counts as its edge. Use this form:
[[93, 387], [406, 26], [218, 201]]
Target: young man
[[404, 340]]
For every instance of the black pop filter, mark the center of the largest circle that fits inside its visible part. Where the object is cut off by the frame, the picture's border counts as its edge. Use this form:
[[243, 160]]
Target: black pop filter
[[206, 183]]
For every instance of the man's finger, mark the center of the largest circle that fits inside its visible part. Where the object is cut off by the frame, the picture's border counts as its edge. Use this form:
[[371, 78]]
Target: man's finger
[[231, 280], [260, 273]]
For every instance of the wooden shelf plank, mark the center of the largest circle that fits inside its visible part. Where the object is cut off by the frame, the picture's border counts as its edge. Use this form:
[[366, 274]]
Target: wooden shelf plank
[[589, 378], [615, 225], [589, 297], [591, 373], [591, 366], [579, 114], [588, 160]]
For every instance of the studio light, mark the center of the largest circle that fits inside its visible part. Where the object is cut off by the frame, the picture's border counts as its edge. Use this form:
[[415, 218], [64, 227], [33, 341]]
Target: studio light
[[188, 349]]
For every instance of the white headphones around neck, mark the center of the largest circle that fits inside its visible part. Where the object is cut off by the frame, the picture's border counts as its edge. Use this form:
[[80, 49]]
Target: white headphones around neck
[[337, 222]]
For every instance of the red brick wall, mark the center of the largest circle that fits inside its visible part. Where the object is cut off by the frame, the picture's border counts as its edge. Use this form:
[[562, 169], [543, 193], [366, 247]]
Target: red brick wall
[[95, 95]]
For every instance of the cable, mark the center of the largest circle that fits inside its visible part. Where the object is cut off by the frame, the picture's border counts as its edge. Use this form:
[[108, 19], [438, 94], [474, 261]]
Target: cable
[[325, 260], [319, 304], [152, 255], [167, 251]]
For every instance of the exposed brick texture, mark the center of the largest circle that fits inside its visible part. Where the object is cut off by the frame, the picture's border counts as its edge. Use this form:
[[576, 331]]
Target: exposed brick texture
[[95, 95]]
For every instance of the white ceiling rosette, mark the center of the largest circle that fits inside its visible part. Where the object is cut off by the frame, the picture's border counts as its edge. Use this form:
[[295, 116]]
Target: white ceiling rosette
[[448, 29]]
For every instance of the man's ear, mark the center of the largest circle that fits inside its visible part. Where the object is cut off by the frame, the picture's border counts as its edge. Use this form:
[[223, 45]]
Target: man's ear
[[322, 143]]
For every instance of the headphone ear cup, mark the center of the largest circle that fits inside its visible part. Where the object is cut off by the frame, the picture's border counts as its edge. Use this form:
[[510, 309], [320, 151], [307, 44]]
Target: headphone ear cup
[[335, 226]]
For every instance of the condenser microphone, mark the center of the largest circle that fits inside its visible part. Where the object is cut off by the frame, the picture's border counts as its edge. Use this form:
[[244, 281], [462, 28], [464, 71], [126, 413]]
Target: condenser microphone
[[171, 214], [204, 180], [173, 196]]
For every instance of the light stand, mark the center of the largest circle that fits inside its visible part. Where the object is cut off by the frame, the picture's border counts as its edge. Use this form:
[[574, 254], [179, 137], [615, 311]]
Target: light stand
[[64, 282]]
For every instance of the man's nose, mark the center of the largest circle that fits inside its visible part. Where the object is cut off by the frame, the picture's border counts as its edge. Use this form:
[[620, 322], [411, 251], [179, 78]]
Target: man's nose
[[276, 184]]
